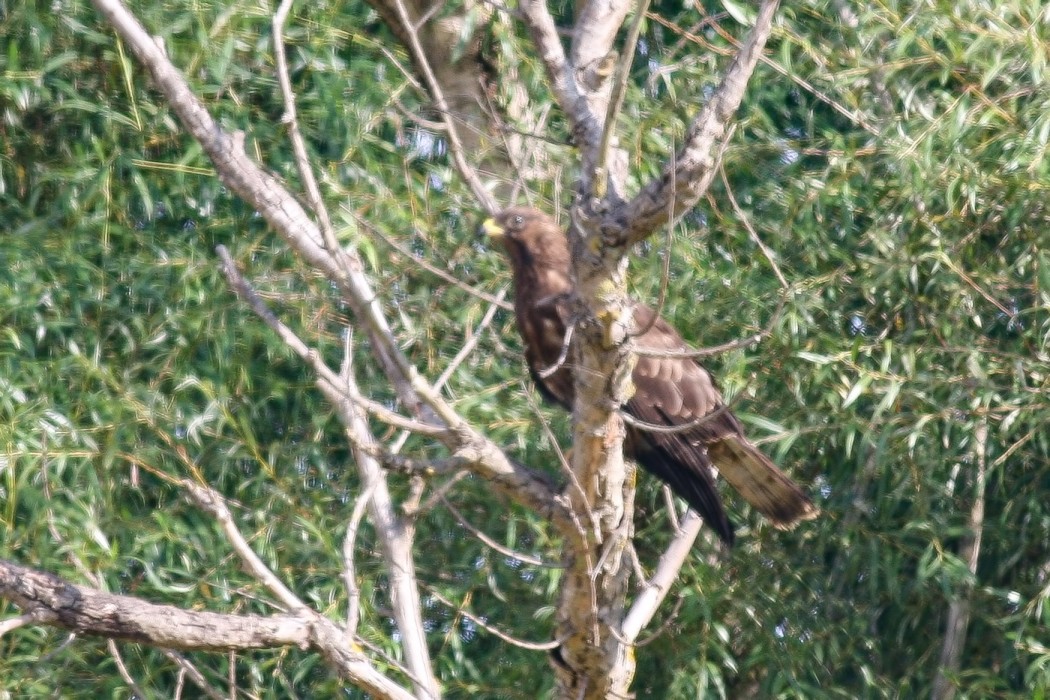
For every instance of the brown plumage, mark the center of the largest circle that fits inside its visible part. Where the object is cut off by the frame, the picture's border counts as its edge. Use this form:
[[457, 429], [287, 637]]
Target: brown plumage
[[672, 392]]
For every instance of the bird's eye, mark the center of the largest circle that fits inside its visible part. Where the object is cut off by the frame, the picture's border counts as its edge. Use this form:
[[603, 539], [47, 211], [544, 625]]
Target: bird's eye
[[519, 220]]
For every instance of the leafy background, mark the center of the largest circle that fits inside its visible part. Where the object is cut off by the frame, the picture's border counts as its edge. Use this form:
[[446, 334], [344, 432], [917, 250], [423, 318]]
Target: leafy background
[[892, 155]]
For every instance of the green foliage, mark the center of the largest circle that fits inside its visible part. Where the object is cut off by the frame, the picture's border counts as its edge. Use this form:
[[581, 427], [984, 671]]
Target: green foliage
[[896, 167]]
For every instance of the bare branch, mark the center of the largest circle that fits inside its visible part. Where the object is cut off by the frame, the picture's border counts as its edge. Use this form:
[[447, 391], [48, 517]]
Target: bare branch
[[302, 160], [670, 507], [565, 343], [353, 591], [211, 501], [597, 24], [455, 147], [434, 270], [593, 63], [122, 669], [665, 625], [534, 646], [89, 611], [263, 192], [752, 232], [488, 541], [619, 90], [689, 175], [395, 540], [13, 623], [472, 340], [680, 428], [470, 451], [198, 679], [50, 600], [646, 604], [327, 379], [540, 23], [724, 347]]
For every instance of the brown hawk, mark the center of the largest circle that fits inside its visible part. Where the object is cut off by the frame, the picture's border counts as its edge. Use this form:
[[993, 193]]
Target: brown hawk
[[694, 427]]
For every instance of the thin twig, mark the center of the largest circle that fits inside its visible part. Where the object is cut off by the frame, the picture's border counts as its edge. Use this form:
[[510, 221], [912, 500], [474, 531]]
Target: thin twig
[[664, 626], [619, 89], [302, 160], [212, 502], [669, 505], [497, 299], [231, 674], [751, 230], [695, 37], [198, 679], [533, 646], [546, 372], [323, 372], [122, 669], [544, 32], [472, 339], [505, 551], [439, 493], [455, 147], [724, 347], [681, 428]]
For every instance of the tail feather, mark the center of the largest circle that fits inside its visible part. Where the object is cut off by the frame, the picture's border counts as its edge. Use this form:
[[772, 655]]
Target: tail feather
[[760, 482]]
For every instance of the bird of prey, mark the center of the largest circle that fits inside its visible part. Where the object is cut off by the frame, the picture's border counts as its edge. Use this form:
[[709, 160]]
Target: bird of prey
[[681, 425]]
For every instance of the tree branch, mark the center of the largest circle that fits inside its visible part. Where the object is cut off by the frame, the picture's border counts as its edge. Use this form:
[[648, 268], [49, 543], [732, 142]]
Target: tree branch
[[470, 450], [51, 600], [687, 177], [48, 599], [944, 683], [585, 126], [263, 192], [466, 170], [212, 502], [395, 542], [302, 160], [656, 588]]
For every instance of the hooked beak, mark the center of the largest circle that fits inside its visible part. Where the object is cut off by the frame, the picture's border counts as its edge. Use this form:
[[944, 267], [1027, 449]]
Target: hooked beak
[[491, 229]]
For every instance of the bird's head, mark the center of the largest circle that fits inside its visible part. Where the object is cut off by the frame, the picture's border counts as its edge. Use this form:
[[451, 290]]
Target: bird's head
[[531, 238]]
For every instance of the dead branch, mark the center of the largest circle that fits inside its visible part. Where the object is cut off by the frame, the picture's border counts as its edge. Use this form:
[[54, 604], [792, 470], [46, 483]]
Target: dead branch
[[48, 599], [263, 192], [646, 604], [395, 540], [535, 646], [410, 34], [302, 160], [211, 501], [470, 450], [687, 177], [489, 542]]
